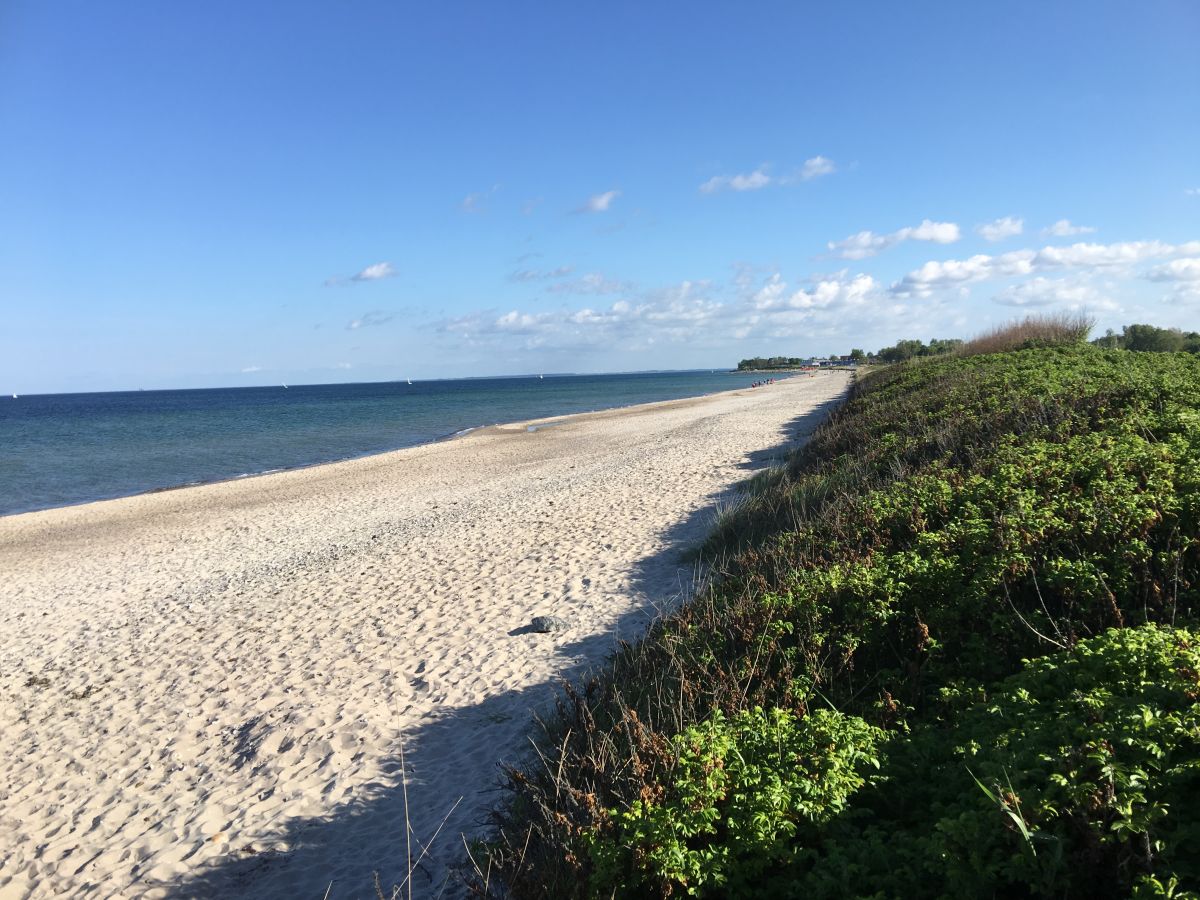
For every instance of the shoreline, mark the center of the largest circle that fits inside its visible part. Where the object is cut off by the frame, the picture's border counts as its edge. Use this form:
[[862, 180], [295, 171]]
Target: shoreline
[[455, 435], [206, 691]]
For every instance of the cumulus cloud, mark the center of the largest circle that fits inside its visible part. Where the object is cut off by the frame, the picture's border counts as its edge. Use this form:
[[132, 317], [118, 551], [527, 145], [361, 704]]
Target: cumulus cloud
[[1064, 228], [1040, 291], [527, 275], [1103, 255], [1184, 274], [938, 232], [367, 319], [816, 167], [999, 229], [836, 291], [1187, 292], [751, 181], [680, 316], [1187, 269], [376, 272], [249, 369], [934, 274], [868, 243], [598, 203], [861, 245], [937, 275], [695, 312], [759, 178]]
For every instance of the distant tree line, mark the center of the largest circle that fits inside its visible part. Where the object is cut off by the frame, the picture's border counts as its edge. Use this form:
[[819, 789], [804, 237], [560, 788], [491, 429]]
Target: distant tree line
[[771, 362], [1149, 338], [910, 349]]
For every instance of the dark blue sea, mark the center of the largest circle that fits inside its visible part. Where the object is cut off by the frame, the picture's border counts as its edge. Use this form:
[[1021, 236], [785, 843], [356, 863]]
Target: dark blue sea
[[60, 449]]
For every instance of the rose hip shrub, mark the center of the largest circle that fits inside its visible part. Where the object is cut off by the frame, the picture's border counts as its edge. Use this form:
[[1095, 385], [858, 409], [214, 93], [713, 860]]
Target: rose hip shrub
[[948, 652]]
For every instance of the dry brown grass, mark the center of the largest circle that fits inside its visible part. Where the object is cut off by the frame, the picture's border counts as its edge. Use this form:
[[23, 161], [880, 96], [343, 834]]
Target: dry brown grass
[[1047, 330]]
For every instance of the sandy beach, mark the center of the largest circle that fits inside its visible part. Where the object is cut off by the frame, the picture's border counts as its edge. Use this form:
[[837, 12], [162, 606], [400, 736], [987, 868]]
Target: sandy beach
[[204, 692]]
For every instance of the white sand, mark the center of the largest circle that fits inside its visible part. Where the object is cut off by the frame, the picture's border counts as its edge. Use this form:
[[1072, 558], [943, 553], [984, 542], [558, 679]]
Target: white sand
[[203, 692]]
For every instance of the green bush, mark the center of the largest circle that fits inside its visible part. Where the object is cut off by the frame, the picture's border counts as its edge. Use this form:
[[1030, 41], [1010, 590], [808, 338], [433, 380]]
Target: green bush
[[952, 521], [744, 794], [1090, 756]]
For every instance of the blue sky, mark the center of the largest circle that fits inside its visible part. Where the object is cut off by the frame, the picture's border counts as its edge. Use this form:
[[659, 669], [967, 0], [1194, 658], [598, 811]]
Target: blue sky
[[248, 193]]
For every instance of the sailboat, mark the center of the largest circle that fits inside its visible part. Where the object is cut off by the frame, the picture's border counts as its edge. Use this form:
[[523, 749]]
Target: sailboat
[[541, 376], [285, 387], [410, 381]]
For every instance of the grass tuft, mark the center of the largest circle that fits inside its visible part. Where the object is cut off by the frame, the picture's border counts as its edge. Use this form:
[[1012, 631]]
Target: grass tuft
[[1047, 330]]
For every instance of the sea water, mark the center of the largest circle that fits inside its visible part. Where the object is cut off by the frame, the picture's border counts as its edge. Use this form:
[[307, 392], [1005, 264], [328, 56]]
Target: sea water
[[61, 449]]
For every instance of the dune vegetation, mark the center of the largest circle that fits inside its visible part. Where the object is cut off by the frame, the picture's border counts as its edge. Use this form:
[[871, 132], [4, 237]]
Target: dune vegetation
[[951, 649]]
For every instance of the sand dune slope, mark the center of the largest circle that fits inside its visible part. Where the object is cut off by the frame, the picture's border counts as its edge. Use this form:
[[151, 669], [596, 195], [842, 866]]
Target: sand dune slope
[[205, 692]]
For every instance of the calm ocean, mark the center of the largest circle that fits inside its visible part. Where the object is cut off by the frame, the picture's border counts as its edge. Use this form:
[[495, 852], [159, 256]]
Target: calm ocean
[[60, 449]]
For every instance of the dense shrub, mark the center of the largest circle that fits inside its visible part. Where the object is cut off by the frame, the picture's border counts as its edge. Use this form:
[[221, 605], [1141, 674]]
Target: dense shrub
[[951, 521], [743, 796], [1087, 756]]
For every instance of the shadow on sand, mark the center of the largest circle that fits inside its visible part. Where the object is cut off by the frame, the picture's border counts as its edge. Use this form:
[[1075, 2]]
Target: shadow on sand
[[339, 851]]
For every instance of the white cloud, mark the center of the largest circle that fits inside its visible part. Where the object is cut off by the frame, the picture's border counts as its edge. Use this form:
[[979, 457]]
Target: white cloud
[[692, 312], [599, 202], [1064, 228], [375, 272], [829, 292], [937, 232], [1187, 269], [951, 272], [758, 179], [1184, 274], [1191, 192], [1071, 294], [999, 229], [937, 275], [1186, 292], [1102, 255], [861, 245], [374, 317], [678, 315], [343, 365], [751, 181], [868, 243], [249, 369], [816, 167]]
